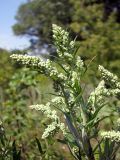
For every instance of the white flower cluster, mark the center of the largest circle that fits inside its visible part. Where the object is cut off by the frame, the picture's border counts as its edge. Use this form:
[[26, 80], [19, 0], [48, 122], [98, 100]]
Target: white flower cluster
[[114, 92], [71, 98], [75, 149], [54, 74], [46, 109], [53, 127], [43, 66], [61, 39], [52, 114], [74, 78], [26, 59], [66, 67], [111, 135], [49, 130], [58, 100], [109, 77], [79, 63], [97, 96], [75, 72]]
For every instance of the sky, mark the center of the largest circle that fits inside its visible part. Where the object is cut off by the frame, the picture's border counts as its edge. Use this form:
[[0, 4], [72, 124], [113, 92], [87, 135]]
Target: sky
[[8, 40]]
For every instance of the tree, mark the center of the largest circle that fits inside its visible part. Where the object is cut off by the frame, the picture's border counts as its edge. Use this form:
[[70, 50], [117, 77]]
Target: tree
[[91, 21], [34, 19], [99, 38]]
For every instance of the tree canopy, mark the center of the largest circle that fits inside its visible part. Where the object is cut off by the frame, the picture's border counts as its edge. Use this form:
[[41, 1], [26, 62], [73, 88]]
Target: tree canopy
[[94, 23], [34, 19]]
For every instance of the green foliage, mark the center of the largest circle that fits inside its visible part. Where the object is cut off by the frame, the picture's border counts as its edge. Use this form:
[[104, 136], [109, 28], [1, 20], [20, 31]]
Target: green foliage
[[22, 91], [6, 70], [99, 38], [14, 111], [8, 149], [73, 114]]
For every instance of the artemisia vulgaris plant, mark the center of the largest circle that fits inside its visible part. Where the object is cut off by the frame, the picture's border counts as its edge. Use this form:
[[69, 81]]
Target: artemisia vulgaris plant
[[82, 117]]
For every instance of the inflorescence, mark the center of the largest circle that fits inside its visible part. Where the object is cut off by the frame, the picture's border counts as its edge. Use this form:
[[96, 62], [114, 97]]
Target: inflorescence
[[70, 78], [111, 135], [44, 67], [51, 114]]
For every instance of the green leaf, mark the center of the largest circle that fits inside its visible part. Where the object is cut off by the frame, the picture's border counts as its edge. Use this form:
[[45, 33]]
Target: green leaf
[[39, 146], [16, 155], [73, 130]]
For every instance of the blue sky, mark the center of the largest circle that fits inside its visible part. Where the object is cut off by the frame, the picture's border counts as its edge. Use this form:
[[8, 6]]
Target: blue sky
[[8, 40]]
